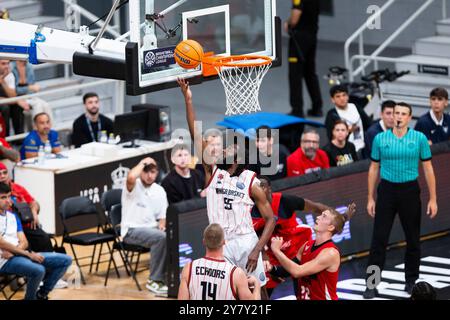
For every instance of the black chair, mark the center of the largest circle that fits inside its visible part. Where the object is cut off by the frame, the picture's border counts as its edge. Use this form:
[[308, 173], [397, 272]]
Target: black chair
[[81, 206], [7, 279], [115, 217], [108, 199]]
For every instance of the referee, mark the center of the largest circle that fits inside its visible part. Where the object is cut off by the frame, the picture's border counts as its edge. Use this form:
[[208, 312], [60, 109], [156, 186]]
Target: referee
[[398, 151]]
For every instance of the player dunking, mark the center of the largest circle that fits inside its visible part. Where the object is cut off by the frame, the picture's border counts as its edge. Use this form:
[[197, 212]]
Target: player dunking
[[212, 277], [317, 263], [231, 192]]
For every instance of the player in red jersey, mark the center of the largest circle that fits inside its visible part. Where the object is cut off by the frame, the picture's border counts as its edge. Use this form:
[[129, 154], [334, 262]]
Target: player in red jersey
[[294, 234], [318, 264]]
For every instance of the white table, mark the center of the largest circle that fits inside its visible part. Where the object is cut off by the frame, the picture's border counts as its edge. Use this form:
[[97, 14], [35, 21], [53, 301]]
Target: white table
[[80, 175]]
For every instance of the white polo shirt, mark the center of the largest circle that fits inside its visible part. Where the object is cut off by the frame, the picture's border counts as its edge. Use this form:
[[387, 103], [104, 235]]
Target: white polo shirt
[[143, 206], [9, 226]]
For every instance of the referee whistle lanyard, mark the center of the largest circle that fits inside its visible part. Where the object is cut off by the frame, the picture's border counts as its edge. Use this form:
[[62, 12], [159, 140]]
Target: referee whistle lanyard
[[91, 131]]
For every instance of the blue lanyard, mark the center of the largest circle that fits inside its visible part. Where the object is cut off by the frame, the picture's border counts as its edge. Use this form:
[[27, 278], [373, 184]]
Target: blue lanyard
[[91, 131]]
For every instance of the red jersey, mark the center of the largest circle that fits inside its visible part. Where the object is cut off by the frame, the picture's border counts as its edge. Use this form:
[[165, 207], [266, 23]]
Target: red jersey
[[3, 142], [294, 235], [320, 286], [299, 164]]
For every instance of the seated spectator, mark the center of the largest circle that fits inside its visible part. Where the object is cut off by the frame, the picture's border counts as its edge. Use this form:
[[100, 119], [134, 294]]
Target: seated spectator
[[435, 123], [386, 122], [26, 84], [266, 150], [340, 151], [38, 239], [48, 267], [182, 183], [308, 158], [38, 137], [8, 90], [357, 119], [7, 152], [144, 205], [213, 140], [86, 128]]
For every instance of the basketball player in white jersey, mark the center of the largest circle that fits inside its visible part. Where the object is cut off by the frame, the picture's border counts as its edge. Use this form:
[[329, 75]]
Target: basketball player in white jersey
[[231, 192], [214, 278]]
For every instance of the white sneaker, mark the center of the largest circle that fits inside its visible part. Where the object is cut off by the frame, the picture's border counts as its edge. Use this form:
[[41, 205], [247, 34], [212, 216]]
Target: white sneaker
[[61, 284], [156, 287]]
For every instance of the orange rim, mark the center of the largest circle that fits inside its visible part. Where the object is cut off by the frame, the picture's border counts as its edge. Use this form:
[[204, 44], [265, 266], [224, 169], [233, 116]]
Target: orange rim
[[235, 61]]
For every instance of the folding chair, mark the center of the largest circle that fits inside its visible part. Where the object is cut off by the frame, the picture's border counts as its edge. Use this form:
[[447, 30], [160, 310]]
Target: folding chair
[[77, 207], [115, 217], [6, 279], [108, 199]]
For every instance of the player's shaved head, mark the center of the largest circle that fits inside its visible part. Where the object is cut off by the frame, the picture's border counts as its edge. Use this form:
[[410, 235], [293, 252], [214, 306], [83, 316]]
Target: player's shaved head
[[213, 236]]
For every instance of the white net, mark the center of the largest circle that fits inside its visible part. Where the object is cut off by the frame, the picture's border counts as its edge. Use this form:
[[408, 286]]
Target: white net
[[242, 84]]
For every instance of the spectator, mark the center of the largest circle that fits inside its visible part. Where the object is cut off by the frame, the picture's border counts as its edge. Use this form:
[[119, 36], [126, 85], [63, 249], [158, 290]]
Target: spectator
[[48, 267], [386, 122], [356, 118], [267, 151], [340, 151], [182, 183], [8, 90], [144, 205], [303, 27], [86, 128], [435, 124], [38, 137], [308, 158], [213, 140], [7, 152], [38, 239], [25, 83]]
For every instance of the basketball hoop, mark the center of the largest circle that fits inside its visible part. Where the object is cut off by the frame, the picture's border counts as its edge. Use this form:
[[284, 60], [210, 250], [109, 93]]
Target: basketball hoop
[[241, 77]]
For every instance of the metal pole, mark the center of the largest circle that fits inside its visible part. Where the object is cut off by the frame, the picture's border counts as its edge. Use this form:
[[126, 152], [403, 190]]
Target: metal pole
[[444, 9], [361, 51], [102, 31]]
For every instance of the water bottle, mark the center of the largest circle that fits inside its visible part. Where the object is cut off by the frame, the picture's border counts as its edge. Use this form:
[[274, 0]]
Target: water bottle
[[41, 155], [111, 139], [47, 149], [103, 137]]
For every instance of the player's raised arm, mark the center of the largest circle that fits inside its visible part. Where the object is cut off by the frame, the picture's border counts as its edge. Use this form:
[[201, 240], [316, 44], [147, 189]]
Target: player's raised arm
[[195, 132], [264, 207], [328, 259]]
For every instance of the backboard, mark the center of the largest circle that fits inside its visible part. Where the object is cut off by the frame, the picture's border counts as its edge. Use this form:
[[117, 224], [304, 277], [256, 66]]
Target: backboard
[[222, 27]]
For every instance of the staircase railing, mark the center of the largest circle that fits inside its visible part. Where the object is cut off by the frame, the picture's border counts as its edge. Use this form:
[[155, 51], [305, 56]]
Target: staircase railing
[[364, 62]]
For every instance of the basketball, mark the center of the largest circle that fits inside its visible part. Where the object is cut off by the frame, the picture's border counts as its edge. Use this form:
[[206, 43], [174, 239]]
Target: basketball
[[188, 54]]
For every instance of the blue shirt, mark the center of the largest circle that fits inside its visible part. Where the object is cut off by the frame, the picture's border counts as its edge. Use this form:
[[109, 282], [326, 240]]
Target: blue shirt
[[370, 135], [33, 141], [399, 157], [431, 130]]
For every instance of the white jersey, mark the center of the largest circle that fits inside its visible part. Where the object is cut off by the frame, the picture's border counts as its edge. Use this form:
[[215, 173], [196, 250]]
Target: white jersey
[[229, 203], [211, 279]]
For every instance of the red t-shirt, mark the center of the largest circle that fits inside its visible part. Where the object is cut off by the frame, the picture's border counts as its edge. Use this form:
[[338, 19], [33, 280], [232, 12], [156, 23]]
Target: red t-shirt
[[4, 143], [298, 164], [20, 193]]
